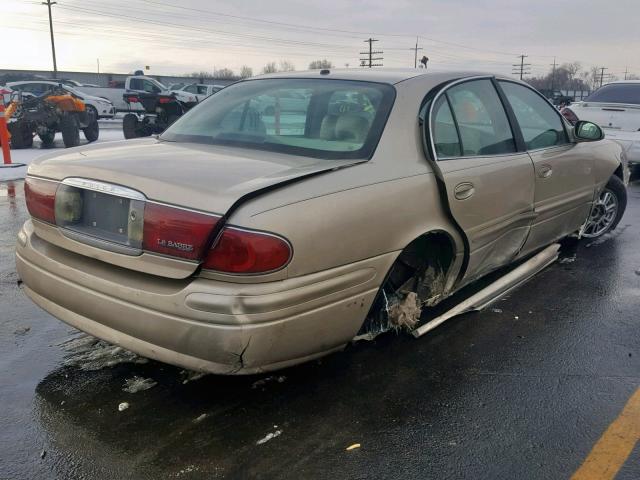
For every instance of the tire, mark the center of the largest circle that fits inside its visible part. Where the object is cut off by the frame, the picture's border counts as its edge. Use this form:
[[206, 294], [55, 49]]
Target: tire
[[608, 209], [92, 132], [21, 137], [47, 138], [130, 126], [70, 131], [91, 111]]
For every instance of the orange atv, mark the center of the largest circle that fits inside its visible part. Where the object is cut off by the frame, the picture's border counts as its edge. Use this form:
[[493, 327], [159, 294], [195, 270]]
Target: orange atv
[[55, 111]]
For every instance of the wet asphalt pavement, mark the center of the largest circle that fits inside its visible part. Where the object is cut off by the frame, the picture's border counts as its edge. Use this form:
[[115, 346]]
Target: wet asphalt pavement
[[520, 391]]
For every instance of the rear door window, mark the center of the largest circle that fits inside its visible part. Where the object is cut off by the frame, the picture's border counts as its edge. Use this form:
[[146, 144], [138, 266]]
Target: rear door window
[[482, 122], [539, 122], [628, 93], [445, 132]]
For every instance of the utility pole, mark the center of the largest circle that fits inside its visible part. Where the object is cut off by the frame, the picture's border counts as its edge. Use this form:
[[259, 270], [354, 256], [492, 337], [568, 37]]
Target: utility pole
[[602, 69], [553, 76], [522, 68], [626, 72], [415, 57], [371, 53], [48, 3]]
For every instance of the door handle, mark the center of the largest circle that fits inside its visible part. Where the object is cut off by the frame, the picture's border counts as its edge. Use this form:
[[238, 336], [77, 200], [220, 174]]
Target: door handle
[[545, 171], [464, 190]]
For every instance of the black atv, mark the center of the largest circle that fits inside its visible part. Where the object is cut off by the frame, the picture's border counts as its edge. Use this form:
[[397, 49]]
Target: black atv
[[55, 111], [160, 111]]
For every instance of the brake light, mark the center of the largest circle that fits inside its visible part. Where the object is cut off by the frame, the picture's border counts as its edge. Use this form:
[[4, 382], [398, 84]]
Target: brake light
[[40, 196], [131, 99], [176, 232], [243, 251], [165, 99], [569, 115]]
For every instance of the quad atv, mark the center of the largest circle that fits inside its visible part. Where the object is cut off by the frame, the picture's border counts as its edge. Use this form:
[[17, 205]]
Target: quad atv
[[160, 111], [55, 111]]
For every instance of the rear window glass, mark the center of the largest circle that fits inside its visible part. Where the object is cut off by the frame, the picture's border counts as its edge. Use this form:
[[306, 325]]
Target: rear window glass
[[332, 119], [617, 93]]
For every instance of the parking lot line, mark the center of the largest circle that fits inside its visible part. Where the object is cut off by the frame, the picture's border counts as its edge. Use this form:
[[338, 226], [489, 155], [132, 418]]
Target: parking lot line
[[614, 446]]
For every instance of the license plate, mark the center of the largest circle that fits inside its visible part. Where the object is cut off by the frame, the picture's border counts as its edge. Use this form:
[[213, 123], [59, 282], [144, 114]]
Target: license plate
[[100, 216]]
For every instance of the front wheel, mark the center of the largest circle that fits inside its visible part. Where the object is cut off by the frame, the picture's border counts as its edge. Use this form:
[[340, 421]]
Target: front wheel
[[92, 131], [70, 131], [607, 210], [130, 126]]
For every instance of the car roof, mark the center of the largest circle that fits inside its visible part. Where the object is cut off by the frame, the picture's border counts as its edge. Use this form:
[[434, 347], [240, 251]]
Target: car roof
[[381, 75], [38, 81]]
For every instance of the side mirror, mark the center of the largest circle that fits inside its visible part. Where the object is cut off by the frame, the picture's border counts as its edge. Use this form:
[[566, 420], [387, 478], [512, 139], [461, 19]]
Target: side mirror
[[587, 131]]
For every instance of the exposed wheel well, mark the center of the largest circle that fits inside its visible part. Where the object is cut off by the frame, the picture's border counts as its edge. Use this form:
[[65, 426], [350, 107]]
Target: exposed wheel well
[[419, 274], [436, 246], [619, 172]]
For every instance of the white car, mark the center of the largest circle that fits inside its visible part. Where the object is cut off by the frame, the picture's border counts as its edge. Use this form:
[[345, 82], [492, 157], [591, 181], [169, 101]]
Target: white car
[[201, 91], [616, 108], [102, 107]]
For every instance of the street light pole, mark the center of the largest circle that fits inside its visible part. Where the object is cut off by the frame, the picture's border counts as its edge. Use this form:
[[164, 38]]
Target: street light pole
[[48, 3]]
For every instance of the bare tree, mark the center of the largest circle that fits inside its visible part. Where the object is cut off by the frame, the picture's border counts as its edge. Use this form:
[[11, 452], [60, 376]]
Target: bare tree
[[246, 72], [320, 64], [201, 74], [286, 66], [225, 74], [270, 68]]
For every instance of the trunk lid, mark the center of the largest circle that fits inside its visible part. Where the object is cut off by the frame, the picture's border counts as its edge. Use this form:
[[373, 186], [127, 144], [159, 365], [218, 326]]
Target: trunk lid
[[610, 116], [204, 178]]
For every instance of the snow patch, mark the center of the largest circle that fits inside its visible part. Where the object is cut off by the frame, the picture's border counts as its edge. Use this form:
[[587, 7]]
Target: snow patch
[[269, 436], [138, 384], [191, 376], [90, 354]]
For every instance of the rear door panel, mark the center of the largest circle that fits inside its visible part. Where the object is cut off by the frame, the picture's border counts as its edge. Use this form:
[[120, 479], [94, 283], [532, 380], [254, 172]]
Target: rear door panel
[[496, 218], [489, 185]]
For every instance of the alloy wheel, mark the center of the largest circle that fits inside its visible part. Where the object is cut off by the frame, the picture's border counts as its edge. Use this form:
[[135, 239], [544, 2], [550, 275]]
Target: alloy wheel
[[603, 215]]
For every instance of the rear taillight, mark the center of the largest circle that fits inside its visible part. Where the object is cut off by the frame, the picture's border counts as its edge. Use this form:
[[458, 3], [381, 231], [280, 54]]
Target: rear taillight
[[243, 251], [165, 99], [131, 99], [569, 115], [176, 232], [40, 196]]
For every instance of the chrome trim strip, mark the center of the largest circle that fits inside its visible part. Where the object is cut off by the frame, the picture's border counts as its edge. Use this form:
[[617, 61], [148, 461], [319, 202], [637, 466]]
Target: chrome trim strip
[[435, 99], [104, 187], [100, 243], [202, 212]]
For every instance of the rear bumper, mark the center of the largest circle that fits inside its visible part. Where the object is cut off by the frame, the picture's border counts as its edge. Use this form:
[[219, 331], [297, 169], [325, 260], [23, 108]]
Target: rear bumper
[[202, 324]]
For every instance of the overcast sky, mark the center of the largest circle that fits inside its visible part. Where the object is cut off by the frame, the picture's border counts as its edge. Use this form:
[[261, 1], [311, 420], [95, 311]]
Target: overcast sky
[[176, 37]]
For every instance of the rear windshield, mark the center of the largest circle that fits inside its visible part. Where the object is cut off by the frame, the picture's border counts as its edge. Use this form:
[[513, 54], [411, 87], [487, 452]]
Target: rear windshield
[[321, 118], [617, 93]]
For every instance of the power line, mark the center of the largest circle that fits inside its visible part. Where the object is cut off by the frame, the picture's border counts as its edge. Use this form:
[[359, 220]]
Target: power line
[[415, 57], [602, 69], [48, 3], [371, 53], [522, 68]]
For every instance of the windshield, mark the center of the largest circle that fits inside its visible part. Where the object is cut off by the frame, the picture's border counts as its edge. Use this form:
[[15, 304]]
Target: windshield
[[628, 93], [332, 119]]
